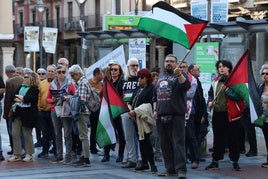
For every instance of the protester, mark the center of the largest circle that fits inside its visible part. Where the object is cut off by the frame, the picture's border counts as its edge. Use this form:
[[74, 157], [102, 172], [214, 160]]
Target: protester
[[96, 83], [191, 140], [130, 83], [169, 110], [83, 92], [143, 95], [25, 114], [200, 108], [263, 92], [61, 87], [220, 99], [13, 83], [116, 74], [2, 90], [45, 113]]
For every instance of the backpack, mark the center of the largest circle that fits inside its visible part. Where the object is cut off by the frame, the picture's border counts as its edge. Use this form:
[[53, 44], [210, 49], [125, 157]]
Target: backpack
[[94, 101]]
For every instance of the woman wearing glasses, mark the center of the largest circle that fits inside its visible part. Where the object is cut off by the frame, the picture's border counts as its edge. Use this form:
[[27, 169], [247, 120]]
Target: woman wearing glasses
[[263, 92], [116, 75], [59, 88], [25, 113], [142, 116]]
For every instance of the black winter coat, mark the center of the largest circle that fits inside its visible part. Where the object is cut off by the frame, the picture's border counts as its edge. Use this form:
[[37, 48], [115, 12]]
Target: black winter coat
[[28, 115]]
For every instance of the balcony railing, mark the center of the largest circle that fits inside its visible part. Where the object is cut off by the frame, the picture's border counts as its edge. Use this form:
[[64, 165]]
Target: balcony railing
[[66, 24]]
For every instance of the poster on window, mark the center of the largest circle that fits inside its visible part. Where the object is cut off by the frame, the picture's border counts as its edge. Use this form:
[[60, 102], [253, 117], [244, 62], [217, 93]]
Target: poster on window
[[137, 49], [31, 39], [50, 39]]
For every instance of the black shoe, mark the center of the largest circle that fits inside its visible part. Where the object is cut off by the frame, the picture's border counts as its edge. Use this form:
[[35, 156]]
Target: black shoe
[[264, 165], [52, 151], [10, 152], [82, 162], [153, 169], [251, 154], [105, 158], [1, 157], [57, 160], [202, 160], [94, 151], [236, 166], [142, 167], [42, 155], [129, 165], [119, 159], [38, 144], [213, 165], [242, 151]]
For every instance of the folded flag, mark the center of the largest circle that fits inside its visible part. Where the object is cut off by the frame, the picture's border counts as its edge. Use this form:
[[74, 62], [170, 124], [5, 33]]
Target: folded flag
[[170, 23]]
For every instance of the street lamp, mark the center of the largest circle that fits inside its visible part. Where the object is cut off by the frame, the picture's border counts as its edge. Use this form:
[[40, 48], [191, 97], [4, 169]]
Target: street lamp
[[40, 6], [81, 4]]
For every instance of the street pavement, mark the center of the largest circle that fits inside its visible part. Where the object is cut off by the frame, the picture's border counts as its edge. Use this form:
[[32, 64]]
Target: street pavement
[[42, 168]]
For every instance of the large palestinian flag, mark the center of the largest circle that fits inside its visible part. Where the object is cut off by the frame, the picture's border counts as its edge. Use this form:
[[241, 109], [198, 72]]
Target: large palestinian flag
[[170, 23], [112, 106], [241, 80]]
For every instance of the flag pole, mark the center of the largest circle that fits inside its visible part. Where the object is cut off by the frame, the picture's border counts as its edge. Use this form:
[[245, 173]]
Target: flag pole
[[185, 56]]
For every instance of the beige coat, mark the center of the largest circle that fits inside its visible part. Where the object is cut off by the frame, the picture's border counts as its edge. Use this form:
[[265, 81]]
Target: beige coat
[[144, 119]]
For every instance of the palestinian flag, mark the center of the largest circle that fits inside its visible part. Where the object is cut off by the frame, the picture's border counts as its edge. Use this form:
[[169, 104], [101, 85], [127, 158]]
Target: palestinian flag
[[112, 106], [170, 23], [241, 80]]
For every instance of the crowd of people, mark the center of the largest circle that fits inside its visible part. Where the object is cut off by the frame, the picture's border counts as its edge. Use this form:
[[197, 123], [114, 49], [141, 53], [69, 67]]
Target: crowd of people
[[167, 118]]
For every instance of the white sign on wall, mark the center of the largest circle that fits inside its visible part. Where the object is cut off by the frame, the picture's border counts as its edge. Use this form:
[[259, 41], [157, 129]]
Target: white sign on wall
[[137, 49]]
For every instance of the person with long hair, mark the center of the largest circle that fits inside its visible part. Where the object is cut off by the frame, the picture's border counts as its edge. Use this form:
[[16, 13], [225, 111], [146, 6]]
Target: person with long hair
[[25, 115]]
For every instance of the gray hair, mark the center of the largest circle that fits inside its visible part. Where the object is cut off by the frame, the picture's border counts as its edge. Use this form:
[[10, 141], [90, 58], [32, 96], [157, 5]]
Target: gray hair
[[76, 69], [19, 68], [41, 70], [264, 66], [51, 66], [10, 68], [27, 70], [64, 60], [133, 59]]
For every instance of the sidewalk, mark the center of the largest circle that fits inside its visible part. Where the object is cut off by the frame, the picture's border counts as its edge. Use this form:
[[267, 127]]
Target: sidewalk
[[42, 168]]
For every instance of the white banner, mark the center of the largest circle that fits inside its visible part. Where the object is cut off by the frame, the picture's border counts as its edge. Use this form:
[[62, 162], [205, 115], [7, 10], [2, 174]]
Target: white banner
[[137, 49], [31, 39], [118, 56], [50, 39]]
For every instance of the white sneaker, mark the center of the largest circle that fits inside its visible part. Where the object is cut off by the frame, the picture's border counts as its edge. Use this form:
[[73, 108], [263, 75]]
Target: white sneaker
[[14, 158], [28, 158]]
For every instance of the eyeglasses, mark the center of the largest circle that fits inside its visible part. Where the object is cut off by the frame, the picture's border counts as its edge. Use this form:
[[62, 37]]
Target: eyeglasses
[[264, 73], [61, 72], [134, 65], [26, 77], [41, 73], [114, 69], [141, 77], [169, 61]]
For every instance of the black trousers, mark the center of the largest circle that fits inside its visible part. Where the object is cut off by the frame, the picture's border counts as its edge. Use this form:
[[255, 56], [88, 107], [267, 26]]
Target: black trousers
[[265, 133], [94, 118], [146, 149], [223, 130]]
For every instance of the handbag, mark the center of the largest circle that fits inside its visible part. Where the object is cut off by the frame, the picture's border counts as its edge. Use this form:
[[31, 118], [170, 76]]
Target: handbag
[[66, 110]]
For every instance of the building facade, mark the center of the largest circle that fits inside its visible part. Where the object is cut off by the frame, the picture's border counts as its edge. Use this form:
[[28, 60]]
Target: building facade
[[65, 15], [6, 35]]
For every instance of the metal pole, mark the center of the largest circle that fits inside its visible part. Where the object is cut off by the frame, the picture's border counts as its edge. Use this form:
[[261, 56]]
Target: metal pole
[[136, 7], [81, 5], [41, 41]]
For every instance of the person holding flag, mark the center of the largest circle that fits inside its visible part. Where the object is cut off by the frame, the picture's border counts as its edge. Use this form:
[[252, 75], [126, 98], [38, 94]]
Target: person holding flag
[[221, 100]]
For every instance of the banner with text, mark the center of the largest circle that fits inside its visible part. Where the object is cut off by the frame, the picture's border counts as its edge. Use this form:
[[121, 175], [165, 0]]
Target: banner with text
[[117, 56], [50, 39], [206, 54], [31, 39], [137, 49]]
